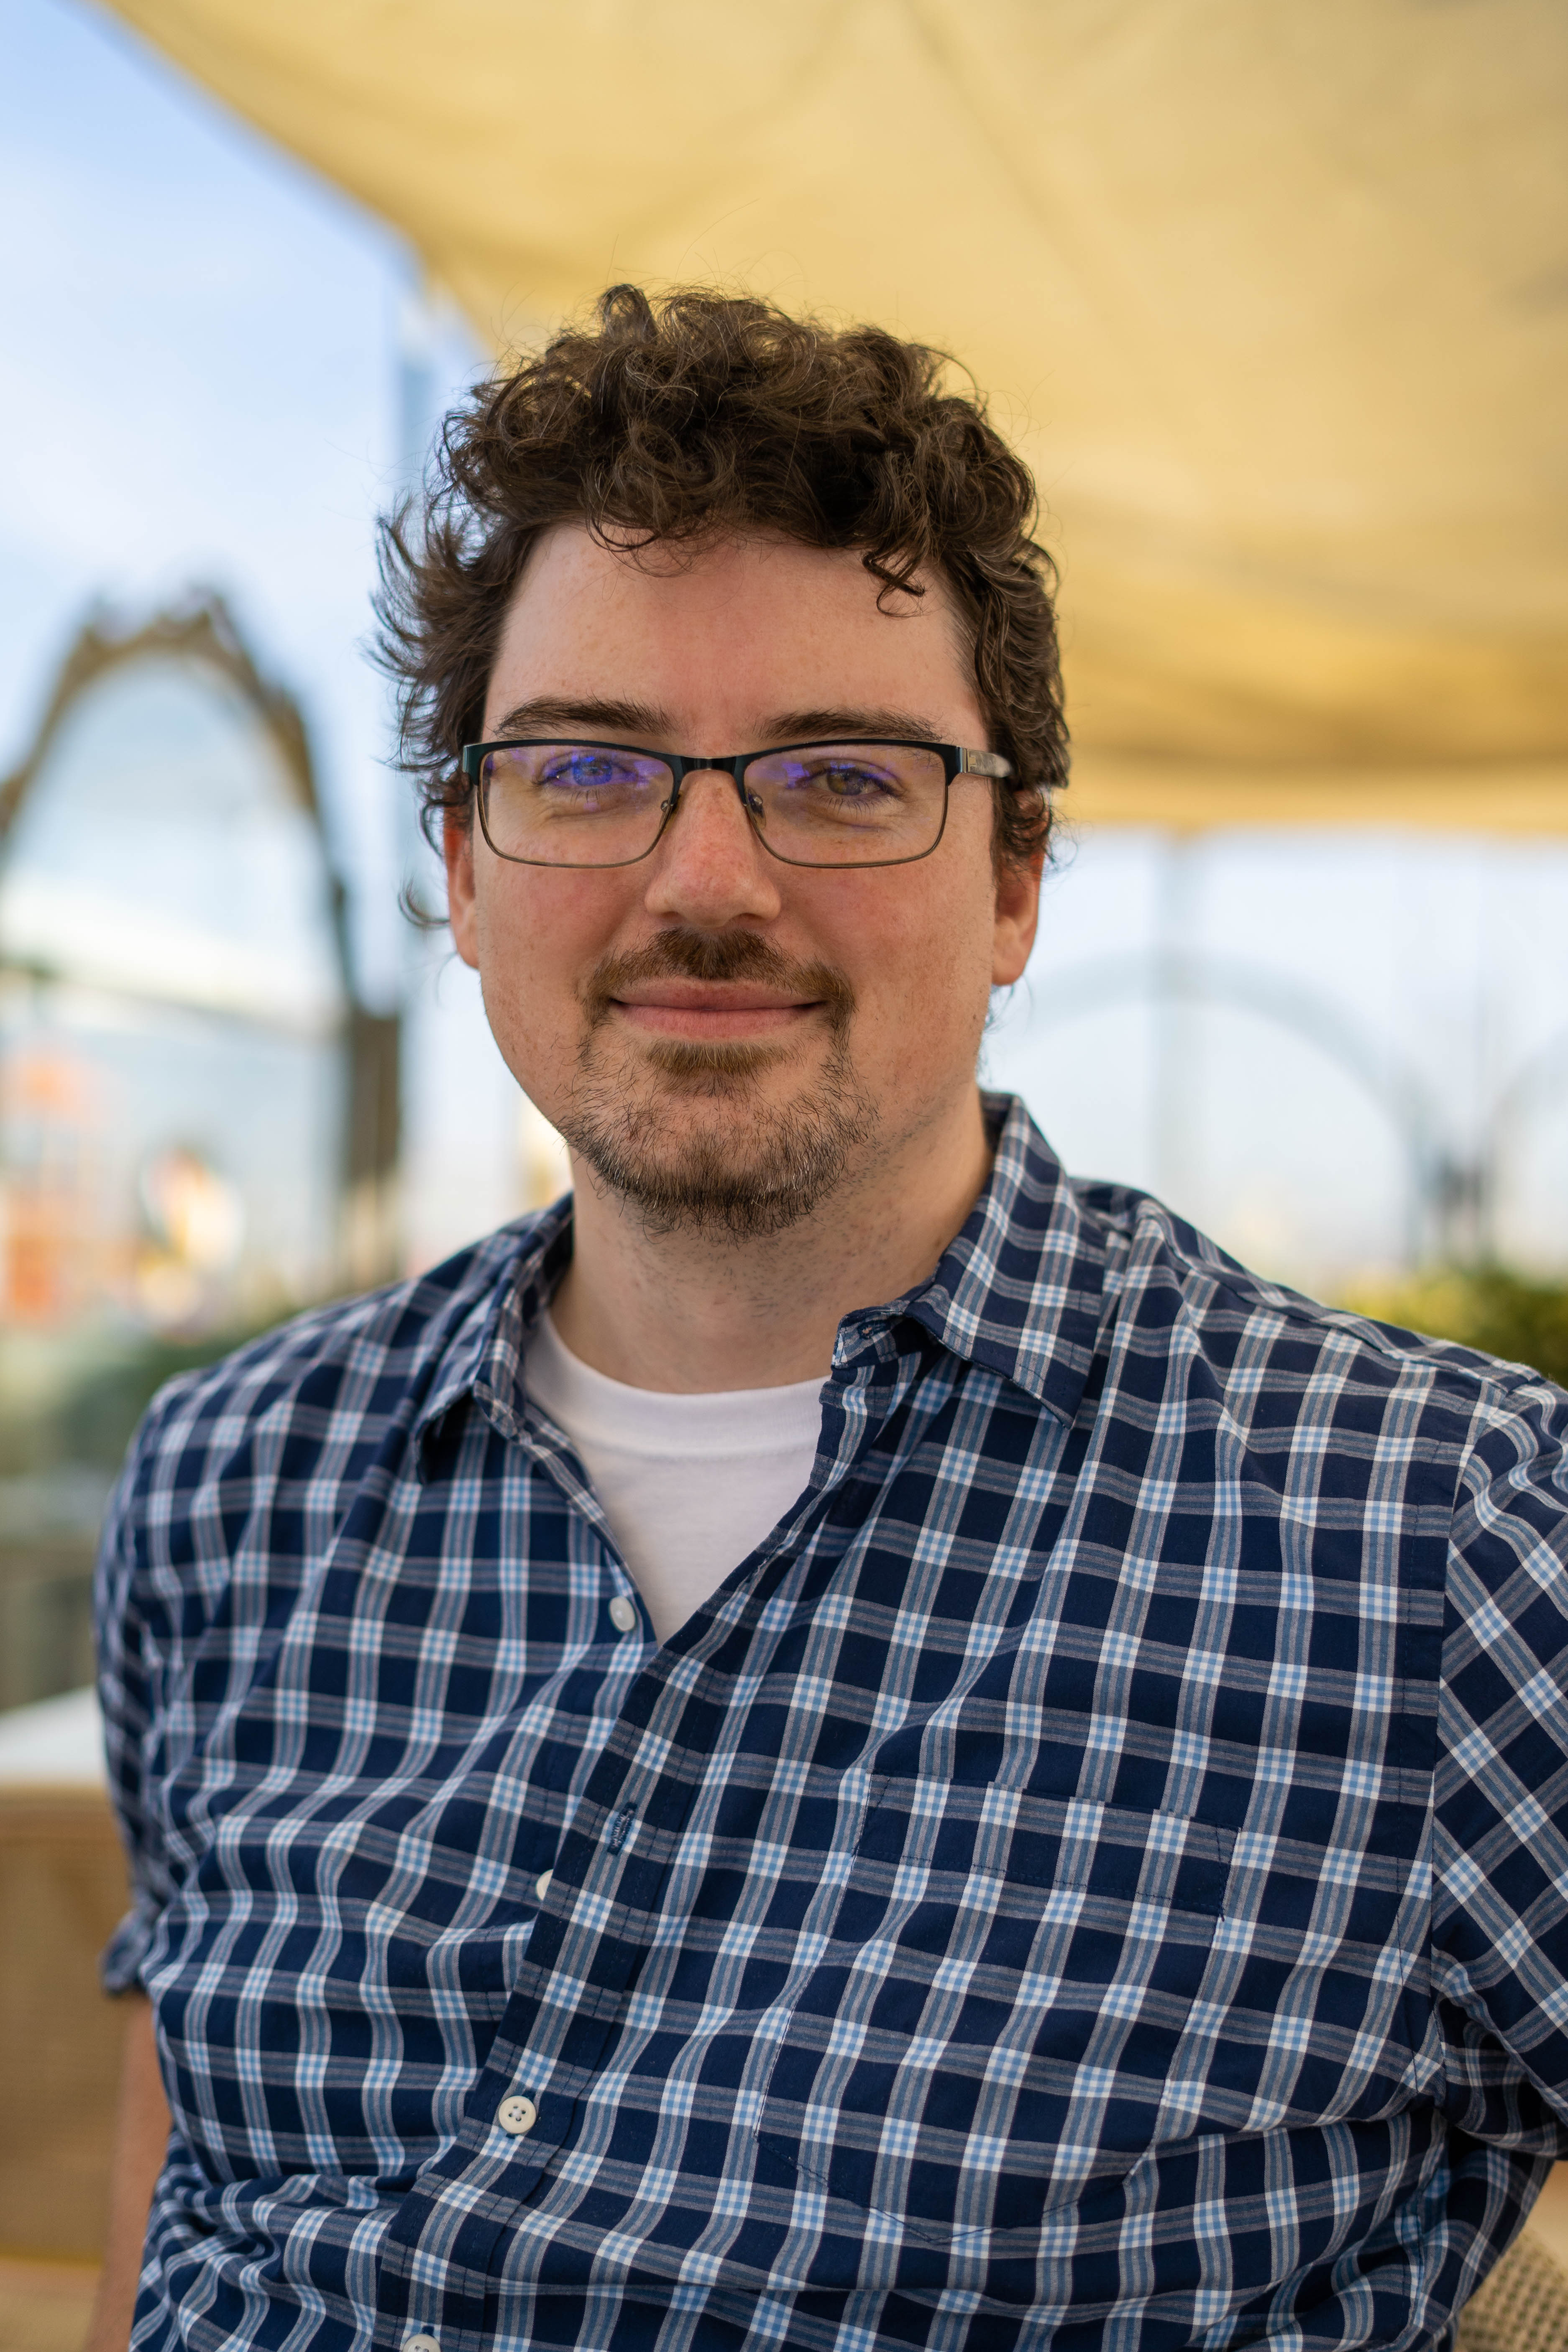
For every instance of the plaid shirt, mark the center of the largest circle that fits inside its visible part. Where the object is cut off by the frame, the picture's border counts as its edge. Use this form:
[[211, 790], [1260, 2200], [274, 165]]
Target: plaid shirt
[[1097, 1875]]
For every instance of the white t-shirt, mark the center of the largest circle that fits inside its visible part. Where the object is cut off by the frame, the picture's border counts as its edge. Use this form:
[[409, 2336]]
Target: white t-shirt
[[689, 1484]]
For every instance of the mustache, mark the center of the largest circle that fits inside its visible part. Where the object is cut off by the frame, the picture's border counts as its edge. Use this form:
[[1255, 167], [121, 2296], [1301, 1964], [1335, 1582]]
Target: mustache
[[717, 956]]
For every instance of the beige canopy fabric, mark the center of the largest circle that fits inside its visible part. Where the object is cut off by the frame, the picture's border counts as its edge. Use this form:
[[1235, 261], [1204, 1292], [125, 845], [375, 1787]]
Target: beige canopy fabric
[[1274, 299]]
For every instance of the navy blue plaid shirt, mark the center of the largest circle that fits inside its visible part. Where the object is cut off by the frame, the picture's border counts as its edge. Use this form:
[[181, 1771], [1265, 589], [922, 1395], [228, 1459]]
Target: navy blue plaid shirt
[[1097, 1875]]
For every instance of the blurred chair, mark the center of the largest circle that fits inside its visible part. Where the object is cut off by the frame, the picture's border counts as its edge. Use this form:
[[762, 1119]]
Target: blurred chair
[[1523, 2306]]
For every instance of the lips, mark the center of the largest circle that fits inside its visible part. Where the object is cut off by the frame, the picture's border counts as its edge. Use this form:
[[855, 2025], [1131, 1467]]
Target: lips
[[698, 985], [674, 995], [676, 1008]]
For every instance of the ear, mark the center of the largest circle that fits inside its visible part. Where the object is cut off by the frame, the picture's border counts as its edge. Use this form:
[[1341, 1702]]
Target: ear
[[1017, 921], [458, 846]]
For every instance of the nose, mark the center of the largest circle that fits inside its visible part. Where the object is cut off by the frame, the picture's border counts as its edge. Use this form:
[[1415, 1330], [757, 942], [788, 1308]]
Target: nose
[[709, 869]]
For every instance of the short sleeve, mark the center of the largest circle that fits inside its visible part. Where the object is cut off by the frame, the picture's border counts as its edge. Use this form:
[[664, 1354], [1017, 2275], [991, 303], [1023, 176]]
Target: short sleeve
[[1500, 1854]]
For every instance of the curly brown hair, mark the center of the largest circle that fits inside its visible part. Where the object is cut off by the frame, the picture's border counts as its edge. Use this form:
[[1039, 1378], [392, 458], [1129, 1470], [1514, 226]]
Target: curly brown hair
[[711, 412]]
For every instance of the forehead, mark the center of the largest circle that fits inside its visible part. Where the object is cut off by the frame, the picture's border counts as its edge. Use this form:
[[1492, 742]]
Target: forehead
[[728, 634]]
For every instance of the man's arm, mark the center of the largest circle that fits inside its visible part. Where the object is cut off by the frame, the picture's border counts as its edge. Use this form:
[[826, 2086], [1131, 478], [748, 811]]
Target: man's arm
[[1499, 1906], [141, 2134]]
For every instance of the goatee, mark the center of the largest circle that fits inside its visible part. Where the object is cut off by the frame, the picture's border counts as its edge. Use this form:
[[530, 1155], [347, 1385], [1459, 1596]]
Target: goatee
[[760, 1167]]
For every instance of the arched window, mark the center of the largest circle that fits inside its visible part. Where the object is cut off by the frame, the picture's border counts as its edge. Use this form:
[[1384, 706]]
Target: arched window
[[196, 1121]]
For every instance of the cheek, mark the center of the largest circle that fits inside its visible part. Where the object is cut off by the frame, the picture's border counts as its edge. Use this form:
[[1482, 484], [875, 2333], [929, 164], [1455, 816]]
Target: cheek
[[536, 938], [543, 932], [920, 964]]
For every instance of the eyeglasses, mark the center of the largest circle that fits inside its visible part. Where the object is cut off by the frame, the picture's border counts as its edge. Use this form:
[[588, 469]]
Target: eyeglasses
[[549, 803]]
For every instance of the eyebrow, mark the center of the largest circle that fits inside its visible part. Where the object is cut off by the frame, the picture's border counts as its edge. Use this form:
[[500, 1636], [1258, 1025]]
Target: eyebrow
[[798, 726], [550, 711], [652, 723]]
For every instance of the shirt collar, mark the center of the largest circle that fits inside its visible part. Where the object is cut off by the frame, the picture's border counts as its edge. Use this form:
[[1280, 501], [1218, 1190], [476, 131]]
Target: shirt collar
[[1019, 1290], [1016, 1292], [519, 1270]]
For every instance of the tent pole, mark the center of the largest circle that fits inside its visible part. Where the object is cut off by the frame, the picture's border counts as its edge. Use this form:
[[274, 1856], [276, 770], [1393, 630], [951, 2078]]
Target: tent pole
[[1175, 1040]]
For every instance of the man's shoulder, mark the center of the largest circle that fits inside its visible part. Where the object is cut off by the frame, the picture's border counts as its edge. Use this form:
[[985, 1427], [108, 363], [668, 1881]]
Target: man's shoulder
[[1166, 1274], [363, 1360]]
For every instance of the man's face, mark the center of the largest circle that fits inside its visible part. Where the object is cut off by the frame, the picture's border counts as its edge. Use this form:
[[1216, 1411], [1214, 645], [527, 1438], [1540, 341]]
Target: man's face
[[727, 1040]]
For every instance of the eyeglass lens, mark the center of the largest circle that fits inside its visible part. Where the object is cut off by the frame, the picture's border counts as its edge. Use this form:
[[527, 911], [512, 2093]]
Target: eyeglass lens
[[824, 805]]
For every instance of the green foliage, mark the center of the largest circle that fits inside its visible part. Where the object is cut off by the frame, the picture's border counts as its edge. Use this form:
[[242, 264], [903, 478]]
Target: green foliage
[[81, 1406], [1481, 1306], [95, 1420]]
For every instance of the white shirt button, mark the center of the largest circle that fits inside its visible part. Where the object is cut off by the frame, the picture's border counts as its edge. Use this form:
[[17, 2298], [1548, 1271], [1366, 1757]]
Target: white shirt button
[[517, 2114], [541, 1884], [421, 2344], [623, 1615]]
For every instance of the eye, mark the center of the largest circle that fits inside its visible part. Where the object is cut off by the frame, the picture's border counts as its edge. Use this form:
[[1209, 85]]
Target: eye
[[588, 771], [848, 782], [848, 779]]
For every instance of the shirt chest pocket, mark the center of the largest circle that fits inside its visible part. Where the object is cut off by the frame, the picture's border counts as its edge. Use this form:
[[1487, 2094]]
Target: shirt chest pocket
[[1003, 1997]]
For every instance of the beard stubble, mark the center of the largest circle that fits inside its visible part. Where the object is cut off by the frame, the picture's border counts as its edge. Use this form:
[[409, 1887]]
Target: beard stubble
[[753, 1168]]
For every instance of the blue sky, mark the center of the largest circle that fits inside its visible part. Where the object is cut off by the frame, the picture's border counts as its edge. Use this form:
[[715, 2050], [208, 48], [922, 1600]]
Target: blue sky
[[200, 347], [198, 385]]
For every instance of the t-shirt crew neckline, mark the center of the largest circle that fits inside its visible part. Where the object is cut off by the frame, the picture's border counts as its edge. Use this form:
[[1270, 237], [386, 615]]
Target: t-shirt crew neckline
[[680, 1536]]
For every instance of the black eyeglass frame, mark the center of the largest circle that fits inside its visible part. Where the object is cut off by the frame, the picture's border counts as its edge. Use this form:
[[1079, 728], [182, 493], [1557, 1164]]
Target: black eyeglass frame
[[957, 760]]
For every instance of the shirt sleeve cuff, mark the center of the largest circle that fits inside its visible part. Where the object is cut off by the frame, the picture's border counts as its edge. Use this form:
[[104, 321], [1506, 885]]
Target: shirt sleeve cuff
[[124, 1956]]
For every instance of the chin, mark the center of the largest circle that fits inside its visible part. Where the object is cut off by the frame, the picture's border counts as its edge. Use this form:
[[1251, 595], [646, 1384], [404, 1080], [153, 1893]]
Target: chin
[[729, 1069], [761, 1160]]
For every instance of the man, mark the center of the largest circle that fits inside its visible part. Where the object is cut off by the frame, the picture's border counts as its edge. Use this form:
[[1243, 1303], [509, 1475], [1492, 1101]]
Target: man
[[839, 1741]]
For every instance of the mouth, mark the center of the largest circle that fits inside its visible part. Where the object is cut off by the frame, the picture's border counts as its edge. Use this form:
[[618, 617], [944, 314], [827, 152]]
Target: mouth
[[716, 1012]]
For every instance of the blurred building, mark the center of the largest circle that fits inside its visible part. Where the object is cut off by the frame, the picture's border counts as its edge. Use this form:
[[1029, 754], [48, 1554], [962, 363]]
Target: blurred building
[[198, 1119]]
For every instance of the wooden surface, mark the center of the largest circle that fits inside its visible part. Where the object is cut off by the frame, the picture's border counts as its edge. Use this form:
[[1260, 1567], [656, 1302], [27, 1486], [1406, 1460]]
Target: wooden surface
[[62, 1888], [44, 2306]]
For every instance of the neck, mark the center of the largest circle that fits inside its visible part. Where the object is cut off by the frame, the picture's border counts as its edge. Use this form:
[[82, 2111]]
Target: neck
[[691, 1310]]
